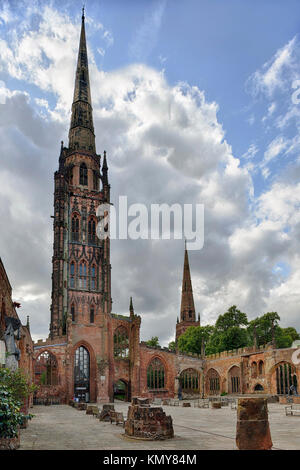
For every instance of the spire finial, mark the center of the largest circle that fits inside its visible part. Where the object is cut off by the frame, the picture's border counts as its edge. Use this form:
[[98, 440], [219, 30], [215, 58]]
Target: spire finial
[[83, 12], [131, 310]]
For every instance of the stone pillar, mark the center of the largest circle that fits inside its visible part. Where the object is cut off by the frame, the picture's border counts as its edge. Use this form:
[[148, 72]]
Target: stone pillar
[[253, 431], [176, 386]]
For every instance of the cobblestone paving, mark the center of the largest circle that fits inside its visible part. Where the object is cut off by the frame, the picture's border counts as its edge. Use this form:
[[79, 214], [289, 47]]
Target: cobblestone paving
[[63, 427]]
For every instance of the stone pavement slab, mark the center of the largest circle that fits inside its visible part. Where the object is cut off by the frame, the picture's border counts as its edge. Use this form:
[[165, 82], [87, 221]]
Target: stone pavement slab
[[61, 427]]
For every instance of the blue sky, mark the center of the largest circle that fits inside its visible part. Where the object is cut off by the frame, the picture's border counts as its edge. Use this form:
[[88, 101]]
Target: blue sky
[[225, 69]]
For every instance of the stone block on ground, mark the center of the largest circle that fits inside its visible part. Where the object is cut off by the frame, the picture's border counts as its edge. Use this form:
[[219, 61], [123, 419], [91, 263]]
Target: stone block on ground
[[253, 430]]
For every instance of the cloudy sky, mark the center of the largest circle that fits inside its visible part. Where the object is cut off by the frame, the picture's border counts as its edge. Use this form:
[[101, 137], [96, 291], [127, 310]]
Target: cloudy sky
[[194, 102]]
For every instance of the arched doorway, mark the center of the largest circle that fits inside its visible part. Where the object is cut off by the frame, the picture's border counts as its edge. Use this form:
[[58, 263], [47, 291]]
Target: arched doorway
[[121, 390], [234, 380], [82, 374], [258, 388], [190, 381]]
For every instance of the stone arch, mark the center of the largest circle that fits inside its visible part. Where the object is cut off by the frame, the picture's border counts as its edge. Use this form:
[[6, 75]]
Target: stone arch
[[46, 368], [254, 369], [281, 377], [234, 379], [92, 369], [212, 382], [121, 389], [190, 380], [258, 387], [261, 368], [156, 373], [121, 342]]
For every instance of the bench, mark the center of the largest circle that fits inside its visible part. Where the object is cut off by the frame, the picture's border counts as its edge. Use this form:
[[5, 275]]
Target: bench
[[174, 402], [116, 417], [292, 410]]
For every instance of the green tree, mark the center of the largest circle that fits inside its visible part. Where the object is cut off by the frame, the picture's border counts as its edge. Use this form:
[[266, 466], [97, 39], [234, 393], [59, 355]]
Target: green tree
[[153, 341], [192, 339], [172, 346], [263, 326], [233, 317]]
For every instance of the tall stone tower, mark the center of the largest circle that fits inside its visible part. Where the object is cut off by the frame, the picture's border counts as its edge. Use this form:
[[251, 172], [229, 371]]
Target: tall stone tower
[[187, 310], [81, 279]]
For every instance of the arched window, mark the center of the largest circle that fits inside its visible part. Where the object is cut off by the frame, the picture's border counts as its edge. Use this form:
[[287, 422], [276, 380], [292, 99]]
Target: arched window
[[83, 174], [234, 380], [72, 274], [73, 312], [261, 368], [121, 342], [254, 369], [82, 275], [213, 382], [258, 388], [92, 315], [82, 374], [92, 231], [284, 377], [156, 374], [93, 277], [95, 180], [75, 228], [45, 370], [190, 381]]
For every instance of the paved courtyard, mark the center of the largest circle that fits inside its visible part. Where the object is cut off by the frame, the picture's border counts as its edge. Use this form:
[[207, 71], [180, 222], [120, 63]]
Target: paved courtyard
[[63, 427]]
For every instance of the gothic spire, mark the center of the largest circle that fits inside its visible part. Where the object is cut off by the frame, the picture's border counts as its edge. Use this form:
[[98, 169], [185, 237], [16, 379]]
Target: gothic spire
[[81, 134], [187, 311]]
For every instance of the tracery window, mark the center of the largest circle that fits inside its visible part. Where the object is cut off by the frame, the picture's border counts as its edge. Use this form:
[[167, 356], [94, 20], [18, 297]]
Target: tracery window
[[213, 382], [190, 380], [156, 374], [75, 228], [82, 275], [45, 370], [72, 274], [121, 342], [92, 231], [234, 380], [93, 277], [83, 175], [284, 377]]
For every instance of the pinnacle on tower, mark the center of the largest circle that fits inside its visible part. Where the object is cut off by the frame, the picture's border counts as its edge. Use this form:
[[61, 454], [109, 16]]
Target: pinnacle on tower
[[187, 310], [104, 169], [81, 134], [131, 310]]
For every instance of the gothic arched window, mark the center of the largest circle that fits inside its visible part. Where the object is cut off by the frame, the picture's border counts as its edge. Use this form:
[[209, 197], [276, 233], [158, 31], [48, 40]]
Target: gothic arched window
[[45, 370], [92, 231], [73, 312], [82, 275], [156, 374], [92, 315], [121, 342], [72, 274], [190, 380], [93, 277], [75, 228], [83, 174]]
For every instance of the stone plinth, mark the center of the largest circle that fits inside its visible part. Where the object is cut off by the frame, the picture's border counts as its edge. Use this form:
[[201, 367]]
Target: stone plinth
[[253, 431], [104, 415], [216, 405], [148, 422]]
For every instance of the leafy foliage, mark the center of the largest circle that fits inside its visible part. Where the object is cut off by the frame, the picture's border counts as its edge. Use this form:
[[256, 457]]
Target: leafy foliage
[[172, 346], [17, 382], [10, 416], [232, 330], [153, 341]]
